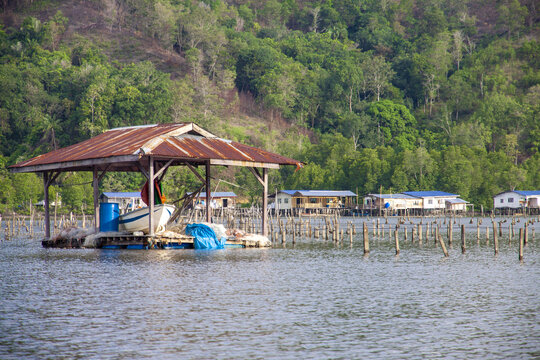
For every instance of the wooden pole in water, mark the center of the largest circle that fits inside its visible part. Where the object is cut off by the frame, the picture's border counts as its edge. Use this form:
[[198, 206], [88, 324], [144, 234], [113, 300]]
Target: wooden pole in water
[[441, 242], [46, 205], [366, 240], [396, 240], [420, 234], [495, 238], [463, 246], [520, 244], [477, 231], [487, 235], [525, 234]]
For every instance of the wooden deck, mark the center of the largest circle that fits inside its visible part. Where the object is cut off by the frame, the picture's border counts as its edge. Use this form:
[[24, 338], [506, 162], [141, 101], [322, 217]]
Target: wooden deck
[[122, 241]]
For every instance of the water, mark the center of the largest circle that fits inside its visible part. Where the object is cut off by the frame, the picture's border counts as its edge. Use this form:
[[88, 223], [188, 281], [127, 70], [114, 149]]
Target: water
[[315, 300]]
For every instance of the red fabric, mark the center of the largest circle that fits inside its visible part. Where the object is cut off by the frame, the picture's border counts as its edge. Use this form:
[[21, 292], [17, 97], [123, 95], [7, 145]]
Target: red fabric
[[158, 197]]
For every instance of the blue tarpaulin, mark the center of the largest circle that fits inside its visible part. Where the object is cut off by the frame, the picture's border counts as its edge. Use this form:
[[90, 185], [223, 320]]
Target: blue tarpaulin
[[204, 237]]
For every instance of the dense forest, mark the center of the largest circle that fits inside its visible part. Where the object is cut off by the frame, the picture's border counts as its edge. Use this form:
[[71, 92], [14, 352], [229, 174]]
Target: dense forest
[[373, 95]]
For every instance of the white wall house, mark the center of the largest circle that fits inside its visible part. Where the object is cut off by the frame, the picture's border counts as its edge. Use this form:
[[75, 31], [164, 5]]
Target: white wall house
[[391, 202], [517, 199], [127, 201], [432, 200], [456, 205], [284, 199]]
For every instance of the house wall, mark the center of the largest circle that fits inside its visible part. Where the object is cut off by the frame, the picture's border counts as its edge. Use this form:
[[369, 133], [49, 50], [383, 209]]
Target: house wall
[[125, 204], [456, 207], [508, 199], [431, 202], [414, 203], [284, 201]]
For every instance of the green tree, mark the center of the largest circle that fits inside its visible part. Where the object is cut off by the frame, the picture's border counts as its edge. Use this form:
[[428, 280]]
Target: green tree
[[395, 124]]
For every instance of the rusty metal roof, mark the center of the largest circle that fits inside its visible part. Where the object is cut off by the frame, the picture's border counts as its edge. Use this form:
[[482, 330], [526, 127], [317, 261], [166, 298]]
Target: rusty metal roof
[[120, 149]]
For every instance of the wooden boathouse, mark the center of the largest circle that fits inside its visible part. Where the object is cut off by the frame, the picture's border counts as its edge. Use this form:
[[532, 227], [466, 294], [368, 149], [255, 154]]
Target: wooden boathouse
[[151, 150]]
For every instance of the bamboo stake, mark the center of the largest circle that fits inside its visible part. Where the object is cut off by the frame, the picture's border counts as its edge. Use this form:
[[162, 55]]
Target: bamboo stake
[[366, 240], [495, 240], [520, 244], [463, 246], [396, 240], [441, 242]]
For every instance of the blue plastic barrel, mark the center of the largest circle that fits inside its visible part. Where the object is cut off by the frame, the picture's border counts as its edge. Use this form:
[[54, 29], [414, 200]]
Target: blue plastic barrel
[[108, 217]]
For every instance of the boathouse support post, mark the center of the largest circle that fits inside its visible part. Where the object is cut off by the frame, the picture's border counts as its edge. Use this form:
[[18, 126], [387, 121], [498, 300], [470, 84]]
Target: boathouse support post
[[151, 196], [208, 195], [95, 186], [263, 180], [265, 203], [46, 205]]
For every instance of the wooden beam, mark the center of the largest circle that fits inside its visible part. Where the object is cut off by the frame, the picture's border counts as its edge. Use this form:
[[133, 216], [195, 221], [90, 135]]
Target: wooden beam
[[151, 196], [163, 169], [100, 177], [243, 163], [46, 184], [196, 173], [208, 190], [87, 165], [52, 177], [143, 170], [265, 203], [257, 175], [95, 186]]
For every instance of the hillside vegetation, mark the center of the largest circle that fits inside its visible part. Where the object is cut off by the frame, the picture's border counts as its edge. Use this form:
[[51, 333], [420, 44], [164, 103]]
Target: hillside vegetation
[[373, 95]]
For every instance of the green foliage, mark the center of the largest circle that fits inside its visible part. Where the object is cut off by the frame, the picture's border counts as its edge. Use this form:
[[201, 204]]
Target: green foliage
[[395, 124], [398, 95]]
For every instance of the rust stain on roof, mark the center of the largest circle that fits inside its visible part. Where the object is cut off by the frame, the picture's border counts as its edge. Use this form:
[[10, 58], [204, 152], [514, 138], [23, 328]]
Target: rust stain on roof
[[182, 141]]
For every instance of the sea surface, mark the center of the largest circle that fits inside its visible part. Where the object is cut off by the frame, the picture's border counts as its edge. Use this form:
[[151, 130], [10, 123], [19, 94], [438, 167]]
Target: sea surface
[[311, 300]]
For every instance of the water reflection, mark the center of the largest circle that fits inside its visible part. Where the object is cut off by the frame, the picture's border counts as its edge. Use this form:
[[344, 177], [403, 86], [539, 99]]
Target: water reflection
[[311, 299]]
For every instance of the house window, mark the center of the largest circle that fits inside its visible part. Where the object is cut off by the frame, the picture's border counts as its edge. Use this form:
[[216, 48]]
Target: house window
[[313, 200], [510, 200], [279, 201], [502, 201], [430, 202], [286, 201]]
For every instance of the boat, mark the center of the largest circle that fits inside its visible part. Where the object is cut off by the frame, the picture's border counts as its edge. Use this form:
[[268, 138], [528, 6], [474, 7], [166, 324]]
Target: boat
[[137, 220]]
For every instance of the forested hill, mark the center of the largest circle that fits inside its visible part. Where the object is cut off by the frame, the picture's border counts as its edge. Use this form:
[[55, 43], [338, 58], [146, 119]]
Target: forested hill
[[374, 95]]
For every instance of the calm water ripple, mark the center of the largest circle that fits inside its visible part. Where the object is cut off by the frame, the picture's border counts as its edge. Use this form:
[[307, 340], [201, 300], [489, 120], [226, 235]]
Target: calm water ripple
[[311, 301]]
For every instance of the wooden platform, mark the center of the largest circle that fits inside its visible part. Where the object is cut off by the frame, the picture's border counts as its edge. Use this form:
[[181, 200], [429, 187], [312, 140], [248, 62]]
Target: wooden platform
[[122, 241]]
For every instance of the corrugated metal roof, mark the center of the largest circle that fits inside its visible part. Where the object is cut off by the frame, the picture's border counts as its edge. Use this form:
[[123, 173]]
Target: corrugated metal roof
[[318, 193], [323, 193], [427, 193], [457, 201], [288, 192], [528, 192], [392, 196], [122, 194], [120, 149], [217, 194]]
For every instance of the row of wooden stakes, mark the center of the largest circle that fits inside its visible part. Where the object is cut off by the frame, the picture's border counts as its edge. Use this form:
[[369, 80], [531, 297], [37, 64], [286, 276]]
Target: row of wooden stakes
[[331, 231]]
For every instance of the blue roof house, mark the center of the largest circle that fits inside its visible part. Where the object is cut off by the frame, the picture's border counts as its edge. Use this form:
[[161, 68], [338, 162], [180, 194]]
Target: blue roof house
[[517, 199], [432, 200], [127, 201], [314, 199]]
